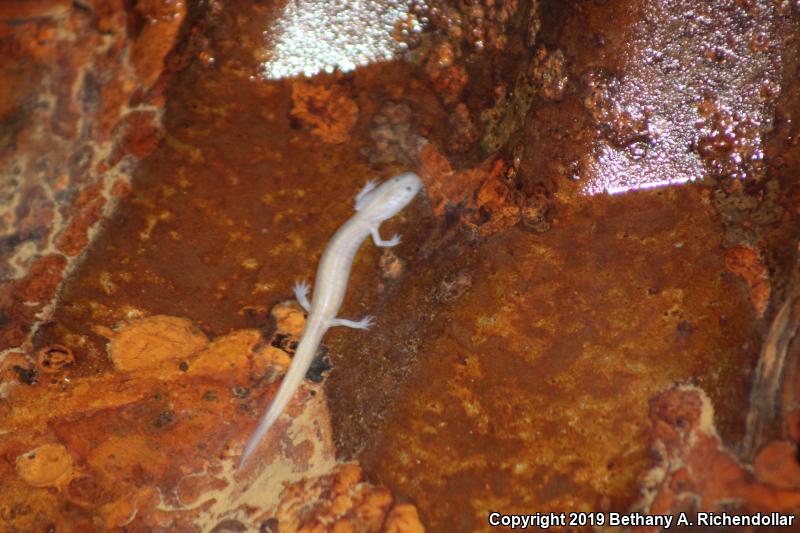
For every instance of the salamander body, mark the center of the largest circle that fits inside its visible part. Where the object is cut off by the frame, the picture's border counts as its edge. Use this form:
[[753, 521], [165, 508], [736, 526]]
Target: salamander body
[[374, 204]]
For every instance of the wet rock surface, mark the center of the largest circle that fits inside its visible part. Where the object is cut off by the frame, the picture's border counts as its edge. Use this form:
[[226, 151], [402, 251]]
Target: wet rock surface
[[81, 105], [602, 264]]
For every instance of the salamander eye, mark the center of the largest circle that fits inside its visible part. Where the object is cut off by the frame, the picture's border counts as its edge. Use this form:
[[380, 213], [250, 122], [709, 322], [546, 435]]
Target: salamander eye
[[408, 188]]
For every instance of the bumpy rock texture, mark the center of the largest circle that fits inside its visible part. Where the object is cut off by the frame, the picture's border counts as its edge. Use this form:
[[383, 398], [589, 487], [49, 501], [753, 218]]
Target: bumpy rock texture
[[82, 103], [594, 305]]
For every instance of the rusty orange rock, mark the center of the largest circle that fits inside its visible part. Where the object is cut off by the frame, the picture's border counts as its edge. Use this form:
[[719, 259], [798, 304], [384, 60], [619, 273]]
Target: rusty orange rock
[[488, 204], [436, 174], [289, 318], [49, 465], [747, 263], [22, 299], [695, 466], [496, 199], [45, 275], [113, 98], [342, 501], [403, 519], [445, 187], [155, 425], [449, 82], [327, 109], [392, 267], [228, 352], [270, 355], [93, 85], [19, 11], [152, 340], [776, 465], [34, 213], [87, 211], [12, 365], [290, 321], [191, 488], [161, 22], [52, 359], [139, 134]]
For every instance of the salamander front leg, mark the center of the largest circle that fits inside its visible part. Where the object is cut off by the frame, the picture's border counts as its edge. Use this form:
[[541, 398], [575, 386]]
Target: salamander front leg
[[376, 238], [368, 187], [364, 323], [301, 289]]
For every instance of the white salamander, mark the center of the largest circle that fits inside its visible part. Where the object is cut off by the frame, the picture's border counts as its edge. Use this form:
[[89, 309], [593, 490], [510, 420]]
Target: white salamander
[[374, 204]]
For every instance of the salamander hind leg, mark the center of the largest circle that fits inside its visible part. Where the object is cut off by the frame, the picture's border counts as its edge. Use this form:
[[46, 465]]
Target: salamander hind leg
[[376, 238], [301, 289], [364, 323]]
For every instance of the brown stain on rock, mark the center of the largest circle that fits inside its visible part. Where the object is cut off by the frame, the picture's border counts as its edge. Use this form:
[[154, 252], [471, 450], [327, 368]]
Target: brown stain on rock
[[536, 380]]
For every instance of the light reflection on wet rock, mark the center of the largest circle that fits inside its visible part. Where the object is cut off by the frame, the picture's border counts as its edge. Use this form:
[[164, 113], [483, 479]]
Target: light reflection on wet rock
[[683, 55], [313, 36]]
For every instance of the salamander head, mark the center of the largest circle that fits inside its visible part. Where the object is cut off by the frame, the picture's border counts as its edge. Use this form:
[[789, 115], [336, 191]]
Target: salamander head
[[388, 198]]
